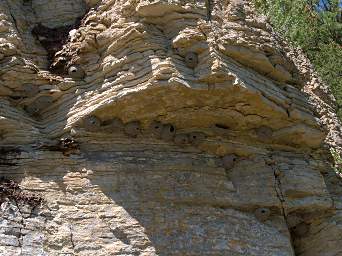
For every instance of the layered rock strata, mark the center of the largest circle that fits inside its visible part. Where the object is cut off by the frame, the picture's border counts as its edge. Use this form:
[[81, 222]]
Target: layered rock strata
[[159, 128]]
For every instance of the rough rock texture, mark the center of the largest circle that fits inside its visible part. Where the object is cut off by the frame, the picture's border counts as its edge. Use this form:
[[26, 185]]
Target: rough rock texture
[[164, 127]]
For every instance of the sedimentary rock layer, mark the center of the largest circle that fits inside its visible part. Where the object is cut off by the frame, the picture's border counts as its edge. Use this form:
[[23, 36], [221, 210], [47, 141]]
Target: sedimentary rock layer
[[159, 128]]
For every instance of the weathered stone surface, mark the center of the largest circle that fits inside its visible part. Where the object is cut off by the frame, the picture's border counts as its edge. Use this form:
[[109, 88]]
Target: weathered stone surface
[[146, 152]]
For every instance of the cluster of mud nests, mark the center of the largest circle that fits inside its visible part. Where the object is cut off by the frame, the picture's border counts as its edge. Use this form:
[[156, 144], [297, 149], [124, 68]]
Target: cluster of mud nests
[[53, 39]]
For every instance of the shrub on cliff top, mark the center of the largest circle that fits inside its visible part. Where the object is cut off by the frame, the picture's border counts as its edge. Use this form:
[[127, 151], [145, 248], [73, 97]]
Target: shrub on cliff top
[[316, 27]]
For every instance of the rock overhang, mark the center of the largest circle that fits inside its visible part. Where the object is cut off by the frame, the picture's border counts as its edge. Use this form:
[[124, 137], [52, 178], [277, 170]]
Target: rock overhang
[[231, 106], [89, 150]]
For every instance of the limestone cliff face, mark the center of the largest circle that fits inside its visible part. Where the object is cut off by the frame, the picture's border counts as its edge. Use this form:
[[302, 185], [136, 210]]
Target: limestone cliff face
[[164, 127]]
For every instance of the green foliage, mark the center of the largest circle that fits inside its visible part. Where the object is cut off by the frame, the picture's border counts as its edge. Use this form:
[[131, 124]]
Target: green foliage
[[338, 161], [319, 34]]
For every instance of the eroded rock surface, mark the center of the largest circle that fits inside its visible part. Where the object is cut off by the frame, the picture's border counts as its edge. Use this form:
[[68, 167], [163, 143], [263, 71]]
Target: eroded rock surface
[[162, 128]]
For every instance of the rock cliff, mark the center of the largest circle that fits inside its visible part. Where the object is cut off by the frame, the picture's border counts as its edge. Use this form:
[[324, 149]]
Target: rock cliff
[[164, 127]]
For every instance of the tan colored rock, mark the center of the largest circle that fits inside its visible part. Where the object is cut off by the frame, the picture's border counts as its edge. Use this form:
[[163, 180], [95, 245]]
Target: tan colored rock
[[141, 153]]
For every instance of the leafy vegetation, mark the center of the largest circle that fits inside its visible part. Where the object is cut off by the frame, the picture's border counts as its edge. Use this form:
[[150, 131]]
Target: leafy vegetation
[[316, 27], [338, 161]]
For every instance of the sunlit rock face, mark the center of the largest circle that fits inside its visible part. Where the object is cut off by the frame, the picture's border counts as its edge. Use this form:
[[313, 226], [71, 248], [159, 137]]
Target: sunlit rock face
[[159, 128]]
